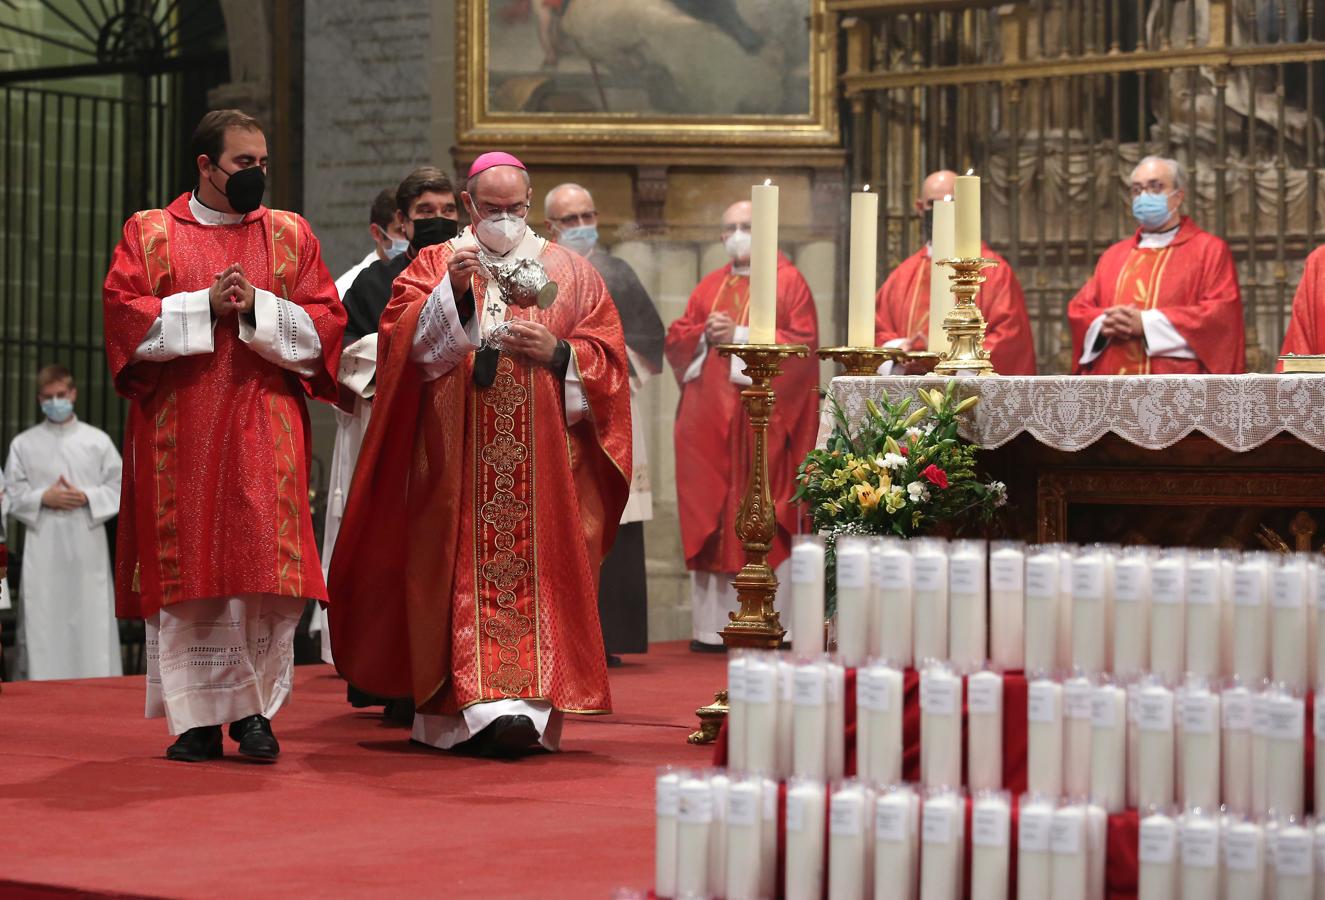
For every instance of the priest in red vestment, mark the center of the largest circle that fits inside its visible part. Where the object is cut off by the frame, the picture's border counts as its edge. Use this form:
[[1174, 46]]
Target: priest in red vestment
[[713, 432], [220, 318], [1165, 301], [902, 305], [489, 488], [1306, 329]]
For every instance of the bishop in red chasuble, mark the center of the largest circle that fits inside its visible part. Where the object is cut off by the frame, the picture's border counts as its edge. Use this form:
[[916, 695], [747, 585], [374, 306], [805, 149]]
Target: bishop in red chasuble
[[219, 319], [1165, 301], [489, 488], [713, 432], [1306, 329]]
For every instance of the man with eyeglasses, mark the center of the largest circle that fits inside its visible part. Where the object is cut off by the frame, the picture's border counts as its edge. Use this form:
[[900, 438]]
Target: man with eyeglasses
[[489, 487], [1165, 301], [712, 432], [623, 592]]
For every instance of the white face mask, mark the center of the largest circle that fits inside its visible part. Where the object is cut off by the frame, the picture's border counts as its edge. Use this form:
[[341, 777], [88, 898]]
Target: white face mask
[[502, 233], [397, 246], [738, 245]]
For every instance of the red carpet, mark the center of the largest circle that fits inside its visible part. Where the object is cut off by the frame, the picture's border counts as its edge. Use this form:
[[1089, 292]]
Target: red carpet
[[88, 805]]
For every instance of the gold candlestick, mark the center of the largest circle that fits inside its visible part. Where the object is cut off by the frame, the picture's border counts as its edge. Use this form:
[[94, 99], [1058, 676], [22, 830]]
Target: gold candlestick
[[757, 624], [861, 360], [964, 324]]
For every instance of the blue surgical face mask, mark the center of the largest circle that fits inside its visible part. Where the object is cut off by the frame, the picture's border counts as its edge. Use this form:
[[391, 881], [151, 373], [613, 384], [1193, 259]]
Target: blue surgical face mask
[[581, 238], [1151, 210], [397, 246], [58, 409]]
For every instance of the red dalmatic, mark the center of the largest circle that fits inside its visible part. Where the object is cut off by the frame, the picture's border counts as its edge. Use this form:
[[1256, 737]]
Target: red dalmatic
[[713, 431], [214, 501], [1306, 330], [902, 311], [1192, 281], [466, 568]]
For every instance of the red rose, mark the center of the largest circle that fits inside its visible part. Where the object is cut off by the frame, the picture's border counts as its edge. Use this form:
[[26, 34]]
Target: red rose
[[935, 476], [906, 451]]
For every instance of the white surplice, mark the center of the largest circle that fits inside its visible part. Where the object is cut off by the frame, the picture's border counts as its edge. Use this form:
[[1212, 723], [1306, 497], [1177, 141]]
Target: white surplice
[[67, 597]]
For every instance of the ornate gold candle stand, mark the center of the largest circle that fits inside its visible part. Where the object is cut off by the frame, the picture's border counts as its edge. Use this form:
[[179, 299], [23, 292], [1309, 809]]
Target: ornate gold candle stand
[[861, 360], [757, 624], [964, 324]]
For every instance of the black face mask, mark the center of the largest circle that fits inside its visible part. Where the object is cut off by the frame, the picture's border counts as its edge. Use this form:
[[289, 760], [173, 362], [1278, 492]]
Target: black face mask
[[433, 231], [244, 189], [927, 225]]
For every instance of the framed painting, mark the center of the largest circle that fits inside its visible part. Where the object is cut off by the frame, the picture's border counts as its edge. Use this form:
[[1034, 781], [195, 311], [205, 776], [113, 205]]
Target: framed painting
[[631, 72]]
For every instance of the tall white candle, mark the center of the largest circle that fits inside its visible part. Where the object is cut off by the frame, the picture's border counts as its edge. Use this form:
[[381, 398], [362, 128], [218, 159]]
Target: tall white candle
[[1090, 609], [967, 599], [1131, 613], [1097, 834], [1069, 851], [736, 714], [1167, 633], [1244, 860], [744, 854], [929, 562], [835, 753], [1066, 552], [807, 594], [860, 281], [810, 721], [763, 263], [1260, 742], [1155, 747], [896, 854], [1200, 748], [991, 849], [692, 837], [984, 731], [1076, 736], [943, 846], [1157, 878], [1288, 630], [1235, 715], [668, 803], [854, 597], [1044, 738], [761, 705], [786, 750], [943, 245], [1285, 755], [967, 197], [1042, 583], [1134, 689], [1203, 615], [1294, 865], [1199, 839], [768, 840], [848, 839], [1251, 642], [805, 840], [719, 785], [879, 718], [1034, 863], [1108, 747], [891, 630], [1007, 598], [940, 728]]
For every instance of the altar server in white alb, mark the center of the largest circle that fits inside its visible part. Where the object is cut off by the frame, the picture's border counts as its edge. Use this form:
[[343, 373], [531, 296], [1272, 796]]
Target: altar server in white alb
[[64, 485]]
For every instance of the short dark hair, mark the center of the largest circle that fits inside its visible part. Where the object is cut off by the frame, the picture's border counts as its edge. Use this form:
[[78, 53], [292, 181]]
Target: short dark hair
[[209, 136], [420, 182], [53, 373], [383, 206]]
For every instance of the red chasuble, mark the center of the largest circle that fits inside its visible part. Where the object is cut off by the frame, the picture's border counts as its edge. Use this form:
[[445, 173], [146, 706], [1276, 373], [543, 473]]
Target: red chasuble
[[1306, 330], [214, 499], [1192, 281], [713, 431], [902, 306], [466, 568]]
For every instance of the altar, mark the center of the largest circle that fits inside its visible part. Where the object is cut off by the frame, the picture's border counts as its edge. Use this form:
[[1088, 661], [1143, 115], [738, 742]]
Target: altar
[[1234, 461]]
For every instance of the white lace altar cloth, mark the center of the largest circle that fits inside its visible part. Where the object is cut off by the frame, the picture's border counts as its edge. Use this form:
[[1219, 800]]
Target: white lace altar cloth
[[1068, 412]]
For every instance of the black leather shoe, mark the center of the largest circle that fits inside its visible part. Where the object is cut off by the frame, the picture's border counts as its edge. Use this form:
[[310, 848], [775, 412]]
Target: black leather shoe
[[197, 745], [255, 738], [505, 737], [613, 661], [701, 647]]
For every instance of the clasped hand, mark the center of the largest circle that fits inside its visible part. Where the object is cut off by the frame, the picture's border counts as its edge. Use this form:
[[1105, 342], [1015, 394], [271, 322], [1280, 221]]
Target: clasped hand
[[63, 495], [231, 291], [719, 329], [1122, 323]]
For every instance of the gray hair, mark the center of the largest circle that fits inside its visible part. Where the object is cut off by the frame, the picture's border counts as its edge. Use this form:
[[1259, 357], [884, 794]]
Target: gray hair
[[1175, 169], [547, 200]]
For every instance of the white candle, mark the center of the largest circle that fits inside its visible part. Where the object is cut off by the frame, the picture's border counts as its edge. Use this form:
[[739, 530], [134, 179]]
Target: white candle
[[1250, 619], [736, 713], [1133, 742], [1285, 755], [786, 715], [1076, 736], [744, 850], [805, 840], [1097, 833], [1155, 747], [1042, 583], [967, 583], [1294, 865], [761, 711], [835, 736], [943, 245], [1199, 838], [810, 721], [1007, 598], [891, 630], [1260, 739], [1235, 715], [763, 263], [807, 594], [847, 843], [967, 197], [1065, 554], [1108, 747], [940, 728], [668, 803], [879, 714], [1044, 738], [943, 846], [768, 841], [895, 852], [1200, 749], [1069, 851], [1244, 861], [1288, 630], [1131, 614], [984, 731], [1167, 633], [1034, 863], [1203, 615], [990, 847], [692, 838], [1157, 852], [1090, 609], [929, 562], [854, 598], [860, 281], [719, 785]]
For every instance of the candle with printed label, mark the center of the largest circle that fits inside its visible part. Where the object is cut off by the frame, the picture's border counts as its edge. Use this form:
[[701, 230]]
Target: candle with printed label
[[694, 819], [1155, 747], [805, 840], [1251, 643], [1131, 613], [1294, 862], [810, 721], [943, 846], [1077, 694], [929, 571], [896, 854], [879, 714], [1108, 747], [984, 731], [1235, 748], [1204, 611], [860, 280], [1157, 878], [990, 846], [1244, 859], [1199, 870], [761, 709], [835, 752], [1200, 740], [1285, 754], [1042, 584], [719, 785], [743, 824], [807, 594], [1167, 633], [1288, 624], [847, 839], [1007, 597], [1044, 737], [1069, 852], [668, 804], [1034, 863], [1091, 605], [763, 263], [967, 584], [854, 598], [940, 727], [736, 714], [890, 619]]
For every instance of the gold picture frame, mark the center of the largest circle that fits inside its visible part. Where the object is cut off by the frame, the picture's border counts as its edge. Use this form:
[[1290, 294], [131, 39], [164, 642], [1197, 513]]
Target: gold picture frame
[[580, 94]]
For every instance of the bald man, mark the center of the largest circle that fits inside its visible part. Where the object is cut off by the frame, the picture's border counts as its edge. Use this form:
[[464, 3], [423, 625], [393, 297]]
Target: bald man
[[712, 431], [623, 592], [902, 305]]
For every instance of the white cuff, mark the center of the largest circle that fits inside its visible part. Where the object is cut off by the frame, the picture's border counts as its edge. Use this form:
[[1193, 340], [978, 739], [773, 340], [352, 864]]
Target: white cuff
[[887, 367], [281, 332], [741, 335], [184, 328], [697, 364], [1093, 346], [358, 366], [440, 340], [1162, 339], [577, 402]]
